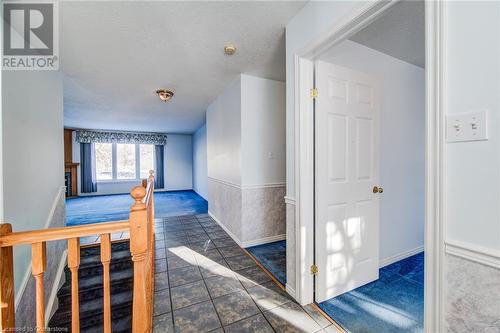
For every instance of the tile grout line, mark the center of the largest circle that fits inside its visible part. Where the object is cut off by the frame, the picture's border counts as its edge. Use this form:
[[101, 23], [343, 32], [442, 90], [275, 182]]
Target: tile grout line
[[168, 277], [210, 295], [203, 278]]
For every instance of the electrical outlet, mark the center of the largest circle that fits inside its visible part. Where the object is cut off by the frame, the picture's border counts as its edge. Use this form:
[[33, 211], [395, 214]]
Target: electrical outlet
[[467, 126]]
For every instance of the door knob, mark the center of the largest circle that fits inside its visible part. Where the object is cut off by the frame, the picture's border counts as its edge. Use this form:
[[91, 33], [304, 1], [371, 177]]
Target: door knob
[[377, 189]]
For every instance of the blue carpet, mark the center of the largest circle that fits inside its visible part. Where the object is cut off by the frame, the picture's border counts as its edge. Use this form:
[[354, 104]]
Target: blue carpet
[[393, 303], [273, 257], [102, 208]]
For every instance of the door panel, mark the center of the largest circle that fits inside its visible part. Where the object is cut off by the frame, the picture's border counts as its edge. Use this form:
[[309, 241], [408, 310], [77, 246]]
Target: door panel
[[347, 168]]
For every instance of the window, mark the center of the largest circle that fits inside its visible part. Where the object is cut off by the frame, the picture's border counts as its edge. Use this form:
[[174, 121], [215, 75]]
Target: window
[[104, 161], [125, 161], [146, 161], [120, 161]]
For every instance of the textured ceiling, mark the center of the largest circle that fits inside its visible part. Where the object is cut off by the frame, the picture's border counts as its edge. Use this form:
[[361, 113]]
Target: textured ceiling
[[400, 33], [114, 55]]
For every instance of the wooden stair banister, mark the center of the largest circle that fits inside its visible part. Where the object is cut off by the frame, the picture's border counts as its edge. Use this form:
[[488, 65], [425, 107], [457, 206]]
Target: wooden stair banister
[[141, 228], [7, 315], [142, 249], [73, 265]]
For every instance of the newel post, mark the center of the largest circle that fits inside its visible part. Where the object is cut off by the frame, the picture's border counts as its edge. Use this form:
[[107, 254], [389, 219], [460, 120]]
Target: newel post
[[139, 241], [7, 316]]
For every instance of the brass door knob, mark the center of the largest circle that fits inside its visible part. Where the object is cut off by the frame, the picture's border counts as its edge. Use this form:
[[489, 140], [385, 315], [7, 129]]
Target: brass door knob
[[377, 189]]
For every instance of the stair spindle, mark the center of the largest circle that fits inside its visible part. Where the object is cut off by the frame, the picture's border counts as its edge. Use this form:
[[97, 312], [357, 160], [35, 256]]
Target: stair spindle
[[38, 253], [105, 260], [73, 265]]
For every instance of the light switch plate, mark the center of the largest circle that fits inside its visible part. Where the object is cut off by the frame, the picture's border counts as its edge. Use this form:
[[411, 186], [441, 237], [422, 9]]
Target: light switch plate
[[467, 126]]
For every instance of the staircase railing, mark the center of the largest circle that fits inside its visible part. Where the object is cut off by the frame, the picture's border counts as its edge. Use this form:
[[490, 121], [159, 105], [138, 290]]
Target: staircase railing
[[141, 228]]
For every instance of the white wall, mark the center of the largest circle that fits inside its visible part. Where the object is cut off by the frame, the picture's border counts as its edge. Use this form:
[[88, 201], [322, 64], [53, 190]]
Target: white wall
[[246, 159], [178, 162], [224, 134], [177, 168], [402, 143], [473, 82], [200, 161], [262, 131], [32, 152]]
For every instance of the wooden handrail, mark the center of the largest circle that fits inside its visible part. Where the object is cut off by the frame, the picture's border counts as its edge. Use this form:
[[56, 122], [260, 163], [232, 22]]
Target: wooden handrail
[[141, 228], [53, 234]]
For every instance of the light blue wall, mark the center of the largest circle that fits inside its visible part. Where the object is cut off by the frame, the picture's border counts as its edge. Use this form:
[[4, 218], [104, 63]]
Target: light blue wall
[[178, 162], [200, 161]]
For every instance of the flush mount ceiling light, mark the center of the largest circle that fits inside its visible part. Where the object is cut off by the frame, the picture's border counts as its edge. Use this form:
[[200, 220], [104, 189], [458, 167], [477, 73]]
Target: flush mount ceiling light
[[229, 49], [165, 95]]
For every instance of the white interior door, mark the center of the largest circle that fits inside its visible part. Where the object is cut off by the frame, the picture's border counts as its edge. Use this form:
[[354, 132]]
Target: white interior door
[[347, 169]]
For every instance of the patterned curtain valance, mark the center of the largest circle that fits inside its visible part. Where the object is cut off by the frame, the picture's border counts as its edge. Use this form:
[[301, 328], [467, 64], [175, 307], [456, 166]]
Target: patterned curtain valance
[[87, 136]]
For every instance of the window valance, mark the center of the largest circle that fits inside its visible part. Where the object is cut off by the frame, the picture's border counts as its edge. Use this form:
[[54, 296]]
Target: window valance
[[91, 136]]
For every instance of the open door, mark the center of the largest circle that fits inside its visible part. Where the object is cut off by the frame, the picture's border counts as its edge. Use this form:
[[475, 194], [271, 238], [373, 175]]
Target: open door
[[347, 180]]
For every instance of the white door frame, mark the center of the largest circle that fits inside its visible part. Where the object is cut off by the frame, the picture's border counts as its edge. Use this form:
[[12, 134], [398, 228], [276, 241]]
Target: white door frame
[[435, 129]]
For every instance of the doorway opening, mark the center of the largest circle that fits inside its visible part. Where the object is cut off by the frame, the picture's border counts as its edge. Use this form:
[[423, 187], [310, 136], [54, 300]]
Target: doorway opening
[[370, 174]]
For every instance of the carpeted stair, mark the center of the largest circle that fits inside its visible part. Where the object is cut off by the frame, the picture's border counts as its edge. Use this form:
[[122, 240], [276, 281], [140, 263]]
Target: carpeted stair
[[91, 291]]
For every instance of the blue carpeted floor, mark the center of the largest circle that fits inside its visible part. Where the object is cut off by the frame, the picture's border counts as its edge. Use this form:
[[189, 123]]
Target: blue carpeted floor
[[393, 303], [102, 208], [273, 257]]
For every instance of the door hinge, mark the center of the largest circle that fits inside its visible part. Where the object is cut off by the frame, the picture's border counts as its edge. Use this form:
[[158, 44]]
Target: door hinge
[[314, 93], [314, 270]]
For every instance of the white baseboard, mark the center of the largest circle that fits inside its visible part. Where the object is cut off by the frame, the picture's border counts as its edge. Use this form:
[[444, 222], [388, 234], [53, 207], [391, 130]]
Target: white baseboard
[[236, 239], [264, 240], [473, 253], [290, 291], [400, 256], [52, 303]]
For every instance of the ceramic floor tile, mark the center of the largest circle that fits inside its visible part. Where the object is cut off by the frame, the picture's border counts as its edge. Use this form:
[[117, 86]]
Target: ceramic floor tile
[[252, 276], [161, 281], [184, 275], [162, 302], [268, 296], [196, 318], [234, 307], [163, 323], [160, 265], [290, 317], [240, 262], [224, 242], [317, 316], [181, 260], [200, 247], [221, 285], [160, 254], [189, 294], [232, 251], [215, 268], [217, 235], [213, 255], [256, 324]]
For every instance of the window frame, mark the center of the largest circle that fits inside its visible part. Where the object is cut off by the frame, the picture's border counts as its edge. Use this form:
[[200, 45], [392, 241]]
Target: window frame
[[114, 164]]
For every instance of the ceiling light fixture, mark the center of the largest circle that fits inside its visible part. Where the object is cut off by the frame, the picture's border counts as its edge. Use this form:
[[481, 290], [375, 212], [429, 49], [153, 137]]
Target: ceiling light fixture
[[230, 49], [164, 94]]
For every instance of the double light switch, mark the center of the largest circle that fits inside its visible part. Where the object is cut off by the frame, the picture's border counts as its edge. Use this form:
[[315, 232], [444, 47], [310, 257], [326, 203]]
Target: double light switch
[[467, 126]]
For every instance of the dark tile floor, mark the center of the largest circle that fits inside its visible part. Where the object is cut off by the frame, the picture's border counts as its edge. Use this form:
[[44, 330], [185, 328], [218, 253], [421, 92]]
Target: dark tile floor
[[206, 283], [273, 257]]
